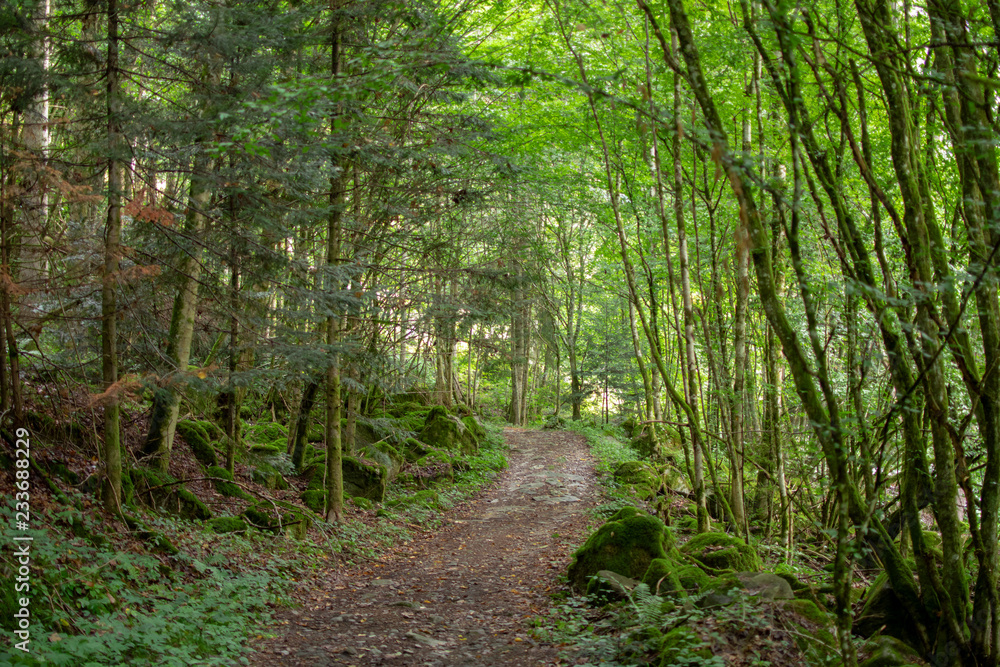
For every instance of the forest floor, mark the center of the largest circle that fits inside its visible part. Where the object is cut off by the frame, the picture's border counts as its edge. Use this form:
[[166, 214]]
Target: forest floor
[[464, 594]]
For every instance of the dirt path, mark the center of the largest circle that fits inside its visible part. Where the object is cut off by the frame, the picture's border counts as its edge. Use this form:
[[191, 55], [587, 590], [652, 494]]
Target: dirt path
[[464, 594]]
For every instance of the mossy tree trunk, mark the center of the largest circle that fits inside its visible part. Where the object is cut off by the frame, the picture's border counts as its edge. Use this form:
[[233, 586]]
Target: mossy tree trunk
[[166, 400], [112, 486], [334, 453]]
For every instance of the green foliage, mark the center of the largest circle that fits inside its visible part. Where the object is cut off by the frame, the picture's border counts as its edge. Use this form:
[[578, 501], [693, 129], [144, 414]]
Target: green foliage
[[112, 607]]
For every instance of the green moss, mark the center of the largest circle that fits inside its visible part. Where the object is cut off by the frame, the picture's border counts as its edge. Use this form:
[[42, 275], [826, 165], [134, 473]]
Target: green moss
[[385, 455], [888, 652], [445, 431], [158, 542], [427, 498], [268, 477], [636, 472], [314, 499], [226, 487], [212, 430], [362, 503], [475, 427], [226, 524], [267, 433], [720, 551], [693, 579], [661, 576], [625, 546], [157, 489], [883, 612], [294, 521], [364, 478], [266, 450], [199, 442]]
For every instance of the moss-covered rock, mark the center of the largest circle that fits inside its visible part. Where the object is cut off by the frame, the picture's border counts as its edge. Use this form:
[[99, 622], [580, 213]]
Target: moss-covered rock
[[314, 499], [475, 427], [883, 608], [661, 577], [448, 432], [362, 503], [814, 632], [365, 479], [626, 546], [160, 490], [198, 440], [267, 433], [644, 439], [427, 498], [224, 483], [887, 651], [383, 453], [279, 516], [720, 551], [266, 449], [226, 524], [638, 475], [268, 477]]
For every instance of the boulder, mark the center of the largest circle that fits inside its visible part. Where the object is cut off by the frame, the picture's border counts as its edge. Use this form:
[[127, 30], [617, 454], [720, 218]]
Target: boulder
[[198, 440], [279, 516], [268, 477], [314, 499], [364, 478], [226, 524], [626, 544], [447, 432], [223, 483], [267, 433], [661, 577], [882, 608], [766, 585], [719, 551], [885, 651], [475, 427], [607, 585], [814, 632], [552, 422], [638, 475], [160, 490], [385, 455]]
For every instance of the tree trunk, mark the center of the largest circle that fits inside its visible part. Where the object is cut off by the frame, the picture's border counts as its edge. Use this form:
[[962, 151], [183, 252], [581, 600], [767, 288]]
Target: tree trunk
[[112, 486], [334, 452], [166, 401]]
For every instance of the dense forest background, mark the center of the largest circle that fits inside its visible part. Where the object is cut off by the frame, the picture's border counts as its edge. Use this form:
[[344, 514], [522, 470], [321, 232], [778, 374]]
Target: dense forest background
[[764, 233]]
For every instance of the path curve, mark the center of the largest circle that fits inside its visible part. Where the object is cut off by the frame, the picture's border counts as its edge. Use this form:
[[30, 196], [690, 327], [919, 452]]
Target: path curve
[[463, 594]]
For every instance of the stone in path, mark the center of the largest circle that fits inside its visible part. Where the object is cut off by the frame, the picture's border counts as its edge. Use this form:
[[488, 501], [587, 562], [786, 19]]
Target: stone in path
[[464, 594]]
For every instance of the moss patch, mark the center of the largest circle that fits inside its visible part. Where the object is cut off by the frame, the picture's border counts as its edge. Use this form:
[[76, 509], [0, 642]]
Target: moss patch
[[720, 551], [198, 440], [226, 488], [365, 479], [448, 432], [626, 546], [314, 499], [661, 577], [226, 524], [159, 490]]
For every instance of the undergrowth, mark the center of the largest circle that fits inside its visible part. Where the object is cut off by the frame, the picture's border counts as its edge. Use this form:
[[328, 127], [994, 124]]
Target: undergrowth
[[93, 603]]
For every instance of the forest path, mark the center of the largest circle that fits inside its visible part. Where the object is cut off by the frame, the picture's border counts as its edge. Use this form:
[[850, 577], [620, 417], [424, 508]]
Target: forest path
[[463, 594]]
